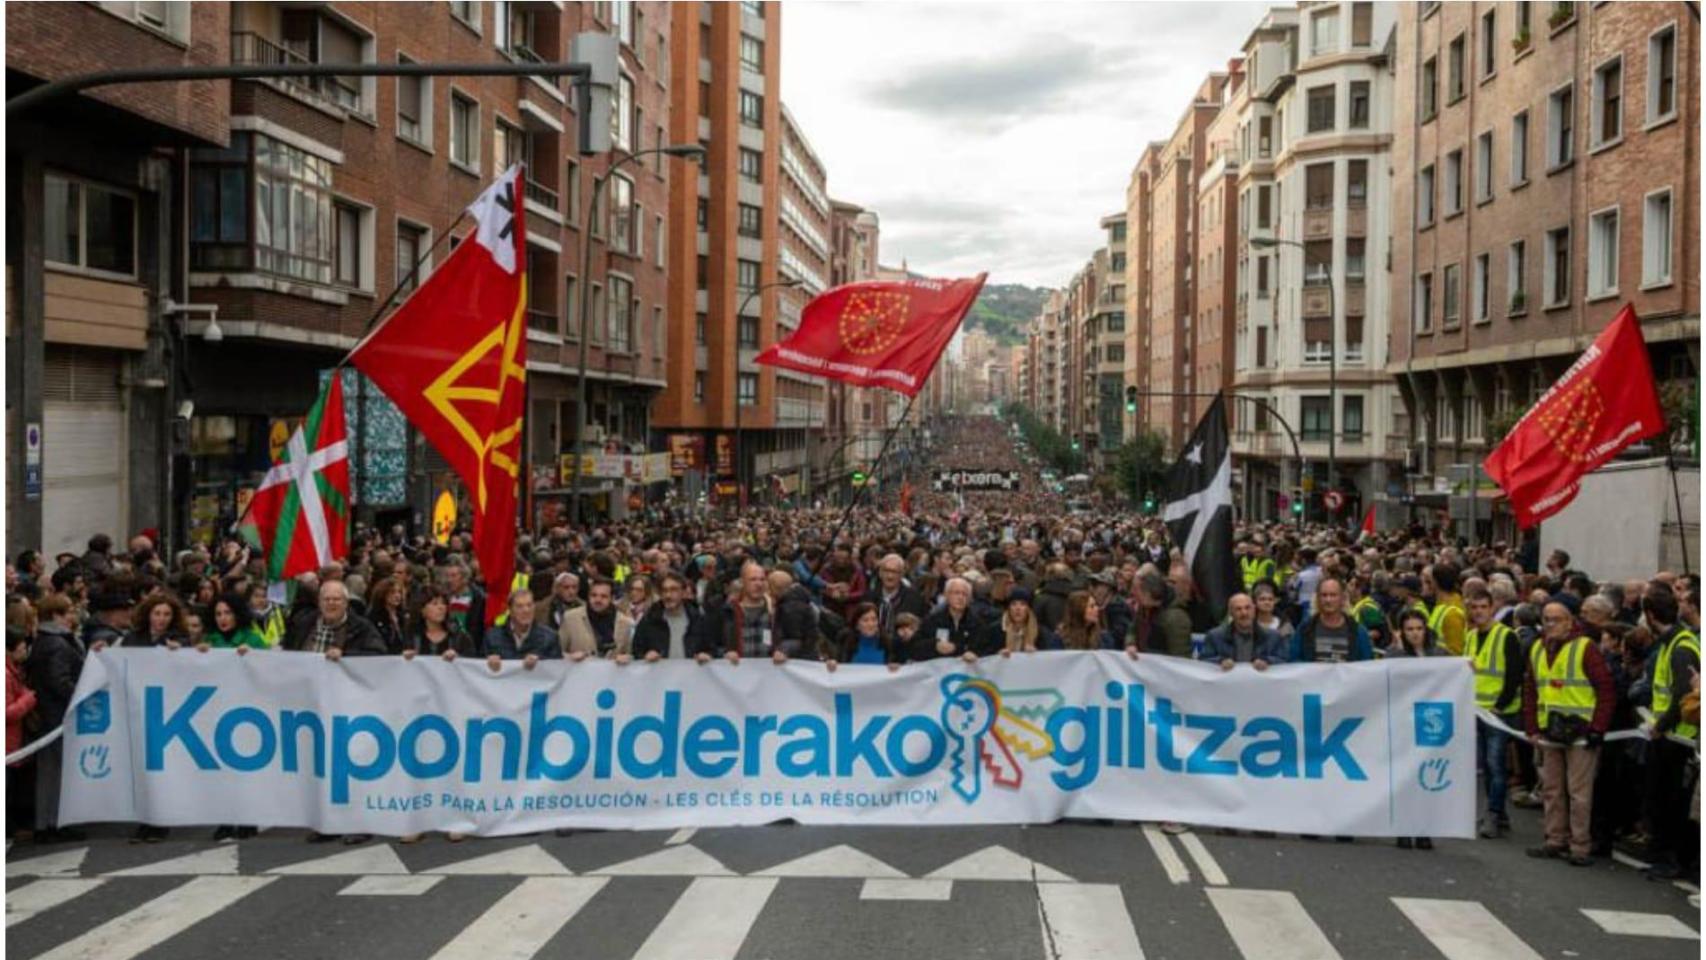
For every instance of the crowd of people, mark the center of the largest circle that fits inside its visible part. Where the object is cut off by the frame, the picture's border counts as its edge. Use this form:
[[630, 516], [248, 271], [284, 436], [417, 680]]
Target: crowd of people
[[1561, 663]]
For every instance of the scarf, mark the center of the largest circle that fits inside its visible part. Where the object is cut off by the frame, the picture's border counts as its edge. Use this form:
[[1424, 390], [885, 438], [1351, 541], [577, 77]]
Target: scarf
[[603, 628]]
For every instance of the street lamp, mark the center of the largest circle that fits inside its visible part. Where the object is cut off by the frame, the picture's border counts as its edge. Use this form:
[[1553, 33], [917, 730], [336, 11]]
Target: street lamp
[[685, 150], [740, 448], [1268, 243]]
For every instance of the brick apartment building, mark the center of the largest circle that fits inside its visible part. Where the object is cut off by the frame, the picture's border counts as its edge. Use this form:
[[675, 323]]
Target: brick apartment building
[[1547, 171]]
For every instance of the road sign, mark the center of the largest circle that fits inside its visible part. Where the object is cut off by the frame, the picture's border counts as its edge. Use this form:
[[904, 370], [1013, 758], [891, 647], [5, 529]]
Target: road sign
[[443, 517], [32, 461], [1333, 499]]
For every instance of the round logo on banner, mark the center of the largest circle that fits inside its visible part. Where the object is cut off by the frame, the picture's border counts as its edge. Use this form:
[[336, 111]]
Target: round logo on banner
[[872, 320], [443, 517]]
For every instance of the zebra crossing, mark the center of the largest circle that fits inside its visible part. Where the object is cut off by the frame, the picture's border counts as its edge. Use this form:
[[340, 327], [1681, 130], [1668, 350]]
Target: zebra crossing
[[680, 901]]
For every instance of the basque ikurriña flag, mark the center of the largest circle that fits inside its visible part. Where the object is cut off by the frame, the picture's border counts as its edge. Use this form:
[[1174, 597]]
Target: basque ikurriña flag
[[453, 358], [301, 509], [877, 333], [1199, 509], [1605, 402]]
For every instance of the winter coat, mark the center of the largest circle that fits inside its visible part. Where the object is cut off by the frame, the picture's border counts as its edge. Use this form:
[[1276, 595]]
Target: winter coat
[[20, 700], [966, 635], [577, 636], [360, 639], [539, 641], [56, 661], [455, 638], [1050, 604], [1218, 645], [1165, 630], [652, 633]]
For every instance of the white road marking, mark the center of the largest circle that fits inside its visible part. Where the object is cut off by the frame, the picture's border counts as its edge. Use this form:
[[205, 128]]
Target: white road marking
[[669, 862], [1270, 925], [1087, 921], [1629, 861], [997, 863], [681, 836], [220, 861], [67, 863], [1206, 864], [528, 861], [158, 920], [840, 860], [1464, 930], [710, 920], [1628, 923], [389, 886], [519, 925], [1164, 852], [907, 890], [27, 901], [362, 861]]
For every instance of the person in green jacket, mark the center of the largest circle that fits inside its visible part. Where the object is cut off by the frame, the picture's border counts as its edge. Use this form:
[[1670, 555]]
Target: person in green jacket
[[1162, 624], [232, 627]]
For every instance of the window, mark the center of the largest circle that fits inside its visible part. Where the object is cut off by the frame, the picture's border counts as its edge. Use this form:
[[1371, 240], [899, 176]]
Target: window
[[699, 387], [1355, 262], [1454, 69], [464, 131], [751, 109], [658, 238], [747, 391], [1353, 416], [1454, 182], [1424, 318], [704, 99], [1430, 88], [1560, 127], [1322, 108], [349, 250], [621, 209], [1425, 196], [699, 329], [1472, 419], [1655, 238], [702, 214], [752, 53], [622, 20], [1317, 418], [1445, 415], [746, 276], [572, 307], [1318, 262], [1116, 322], [1261, 347], [541, 312], [1359, 105], [1317, 339], [413, 96], [1265, 131], [1450, 294], [1524, 21], [172, 19], [293, 212], [751, 165], [750, 224], [1356, 182], [467, 11], [1324, 32], [1489, 43], [754, 7], [1519, 149], [1608, 102], [1261, 278], [1516, 277], [89, 226], [746, 332], [1116, 353], [622, 113], [508, 145], [619, 335], [1602, 253], [1318, 186], [572, 177], [704, 272], [1484, 167], [411, 246], [1362, 24], [1480, 288], [1661, 75], [1264, 211], [1556, 267]]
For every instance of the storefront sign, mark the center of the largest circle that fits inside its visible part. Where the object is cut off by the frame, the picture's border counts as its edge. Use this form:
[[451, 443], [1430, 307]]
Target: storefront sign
[[686, 452], [443, 517]]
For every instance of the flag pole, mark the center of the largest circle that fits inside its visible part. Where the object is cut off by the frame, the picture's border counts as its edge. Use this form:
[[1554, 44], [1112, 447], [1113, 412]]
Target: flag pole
[[1681, 518], [859, 494]]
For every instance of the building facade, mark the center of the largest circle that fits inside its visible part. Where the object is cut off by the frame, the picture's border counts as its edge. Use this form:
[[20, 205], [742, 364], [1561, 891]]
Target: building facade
[[1547, 160]]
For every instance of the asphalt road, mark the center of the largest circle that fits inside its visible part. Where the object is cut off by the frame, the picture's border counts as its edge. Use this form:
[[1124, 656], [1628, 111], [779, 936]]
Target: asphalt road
[[1064, 892]]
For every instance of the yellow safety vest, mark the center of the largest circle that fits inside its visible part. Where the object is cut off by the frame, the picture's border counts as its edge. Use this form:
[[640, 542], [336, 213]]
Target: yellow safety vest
[[1255, 569], [1662, 680], [517, 582], [271, 626], [1487, 652], [622, 572], [1436, 622], [1563, 685]]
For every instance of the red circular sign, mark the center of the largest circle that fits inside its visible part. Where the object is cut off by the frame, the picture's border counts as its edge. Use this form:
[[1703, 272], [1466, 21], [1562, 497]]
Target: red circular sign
[[1333, 499]]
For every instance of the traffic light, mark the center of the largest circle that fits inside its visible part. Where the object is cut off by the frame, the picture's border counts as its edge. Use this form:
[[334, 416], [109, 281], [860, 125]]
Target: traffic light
[[1075, 446], [1131, 400], [858, 478], [1149, 503], [1297, 502]]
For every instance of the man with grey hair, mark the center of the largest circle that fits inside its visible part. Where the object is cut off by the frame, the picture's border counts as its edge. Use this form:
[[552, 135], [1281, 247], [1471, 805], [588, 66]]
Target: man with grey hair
[[334, 630], [565, 596], [952, 629], [521, 637], [893, 595]]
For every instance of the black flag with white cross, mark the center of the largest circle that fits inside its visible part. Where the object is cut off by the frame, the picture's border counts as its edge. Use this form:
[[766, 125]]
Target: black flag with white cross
[[1199, 509]]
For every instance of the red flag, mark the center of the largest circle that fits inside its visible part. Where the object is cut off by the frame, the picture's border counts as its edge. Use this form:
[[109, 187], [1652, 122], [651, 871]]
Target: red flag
[[454, 359], [1368, 520], [880, 333], [1606, 401], [906, 497], [300, 512]]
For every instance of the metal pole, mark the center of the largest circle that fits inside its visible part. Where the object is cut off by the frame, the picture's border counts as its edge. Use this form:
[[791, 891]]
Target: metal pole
[[585, 298], [1681, 518], [859, 494], [740, 438], [1332, 387]]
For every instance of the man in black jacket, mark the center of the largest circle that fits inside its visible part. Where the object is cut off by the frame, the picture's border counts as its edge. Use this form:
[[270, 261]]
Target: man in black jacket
[[893, 596], [521, 636], [334, 630], [109, 621], [672, 627], [953, 630]]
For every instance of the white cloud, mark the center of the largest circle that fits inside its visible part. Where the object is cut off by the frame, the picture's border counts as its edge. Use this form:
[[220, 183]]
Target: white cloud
[[995, 136]]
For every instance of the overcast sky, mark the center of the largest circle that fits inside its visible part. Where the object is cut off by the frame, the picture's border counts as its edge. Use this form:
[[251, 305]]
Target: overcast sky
[[994, 136]]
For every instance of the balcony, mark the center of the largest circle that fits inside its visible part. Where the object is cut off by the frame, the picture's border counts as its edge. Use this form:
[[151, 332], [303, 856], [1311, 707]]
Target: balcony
[[541, 194], [1317, 299], [1318, 223], [251, 49], [1356, 220]]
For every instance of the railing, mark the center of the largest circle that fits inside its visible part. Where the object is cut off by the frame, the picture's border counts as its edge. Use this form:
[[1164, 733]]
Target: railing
[[250, 48], [541, 194]]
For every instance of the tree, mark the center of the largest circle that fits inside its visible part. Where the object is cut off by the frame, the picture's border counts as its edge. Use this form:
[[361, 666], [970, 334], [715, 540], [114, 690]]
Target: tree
[[1045, 441], [1142, 463]]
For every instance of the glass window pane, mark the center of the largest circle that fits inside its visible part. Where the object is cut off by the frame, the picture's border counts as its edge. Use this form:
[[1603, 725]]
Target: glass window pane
[[111, 224], [63, 221]]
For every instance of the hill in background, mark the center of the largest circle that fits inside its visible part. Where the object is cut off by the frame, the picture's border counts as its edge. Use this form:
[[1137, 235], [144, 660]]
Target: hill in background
[[1005, 310]]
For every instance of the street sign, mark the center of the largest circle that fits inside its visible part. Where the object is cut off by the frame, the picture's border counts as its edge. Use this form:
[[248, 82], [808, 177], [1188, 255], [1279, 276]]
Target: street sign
[[1333, 499], [443, 517], [974, 480], [32, 461]]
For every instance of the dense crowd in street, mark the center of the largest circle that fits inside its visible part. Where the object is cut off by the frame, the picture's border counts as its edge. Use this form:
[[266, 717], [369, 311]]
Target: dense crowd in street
[[1562, 662]]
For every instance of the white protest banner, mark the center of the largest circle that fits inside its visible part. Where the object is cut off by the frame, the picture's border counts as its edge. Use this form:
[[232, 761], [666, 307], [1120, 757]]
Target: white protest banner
[[381, 745]]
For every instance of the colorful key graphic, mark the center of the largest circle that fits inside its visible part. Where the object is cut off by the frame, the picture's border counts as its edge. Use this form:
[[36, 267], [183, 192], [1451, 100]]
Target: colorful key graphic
[[969, 709]]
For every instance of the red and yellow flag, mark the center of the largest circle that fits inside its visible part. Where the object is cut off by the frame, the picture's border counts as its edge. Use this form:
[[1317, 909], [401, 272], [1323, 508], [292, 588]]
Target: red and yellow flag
[[454, 360]]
